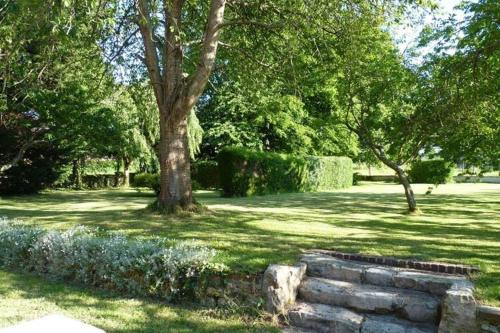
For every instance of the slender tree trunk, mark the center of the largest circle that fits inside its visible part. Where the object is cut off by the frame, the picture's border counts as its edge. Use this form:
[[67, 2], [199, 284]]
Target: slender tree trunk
[[126, 171], [76, 175], [175, 174], [403, 178], [410, 196]]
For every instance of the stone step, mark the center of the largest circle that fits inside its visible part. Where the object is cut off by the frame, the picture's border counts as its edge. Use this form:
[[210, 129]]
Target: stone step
[[325, 266], [321, 318], [409, 304]]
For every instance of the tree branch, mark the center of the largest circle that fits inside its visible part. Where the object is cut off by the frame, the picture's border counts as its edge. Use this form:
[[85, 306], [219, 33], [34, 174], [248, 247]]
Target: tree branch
[[151, 55], [197, 81]]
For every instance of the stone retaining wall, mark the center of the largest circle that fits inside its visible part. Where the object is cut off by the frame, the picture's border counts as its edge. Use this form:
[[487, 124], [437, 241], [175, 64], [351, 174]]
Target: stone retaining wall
[[233, 289], [489, 319]]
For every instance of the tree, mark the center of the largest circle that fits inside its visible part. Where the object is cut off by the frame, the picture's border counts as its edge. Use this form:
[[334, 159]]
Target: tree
[[463, 84], [176, 92], [49, 79]]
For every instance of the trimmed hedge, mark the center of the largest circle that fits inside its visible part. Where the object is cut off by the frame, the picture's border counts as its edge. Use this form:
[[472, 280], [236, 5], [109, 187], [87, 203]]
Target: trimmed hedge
[[146, 267], [244, 172], [149, 180], [204, 175], [431, 172]]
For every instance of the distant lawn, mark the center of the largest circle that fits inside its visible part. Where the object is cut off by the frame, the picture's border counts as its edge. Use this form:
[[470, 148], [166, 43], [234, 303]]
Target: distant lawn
[[460, 223]]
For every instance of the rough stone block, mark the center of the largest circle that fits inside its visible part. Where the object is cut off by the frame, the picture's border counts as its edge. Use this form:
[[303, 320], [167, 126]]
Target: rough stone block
[[380, 276], [434, 283], [325, 319], [332, 268], [459, 311], [413, 305], [386, 324], [280, 284]]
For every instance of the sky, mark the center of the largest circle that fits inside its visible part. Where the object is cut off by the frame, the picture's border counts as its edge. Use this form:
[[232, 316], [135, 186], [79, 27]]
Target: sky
[[406, 35]]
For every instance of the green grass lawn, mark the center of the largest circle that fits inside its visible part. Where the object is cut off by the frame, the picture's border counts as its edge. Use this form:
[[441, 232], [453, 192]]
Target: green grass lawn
[[460, 223], [25, 297]]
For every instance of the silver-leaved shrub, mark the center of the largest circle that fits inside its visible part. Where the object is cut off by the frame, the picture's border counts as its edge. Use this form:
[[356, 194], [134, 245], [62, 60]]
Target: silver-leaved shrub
[[148, 267]]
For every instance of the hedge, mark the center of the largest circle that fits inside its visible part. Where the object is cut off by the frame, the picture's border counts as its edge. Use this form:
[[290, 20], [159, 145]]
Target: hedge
[[244, 172], [431, 172], [204, 175], [149, 180], [146, 267]]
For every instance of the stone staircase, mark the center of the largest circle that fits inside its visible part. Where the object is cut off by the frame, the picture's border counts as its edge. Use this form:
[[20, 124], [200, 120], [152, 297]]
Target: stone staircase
[[343, 296]]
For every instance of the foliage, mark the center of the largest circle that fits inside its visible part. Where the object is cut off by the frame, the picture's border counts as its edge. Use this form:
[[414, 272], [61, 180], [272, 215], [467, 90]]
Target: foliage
[[205, 174], [149, 180], [431, 172], [329, 172], [139, 267], [245, 172], [39, 169], [464, 83]]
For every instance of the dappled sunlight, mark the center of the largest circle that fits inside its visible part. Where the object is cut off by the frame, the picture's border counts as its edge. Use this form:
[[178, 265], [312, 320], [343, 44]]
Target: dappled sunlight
[[459, 223], [26, 297]]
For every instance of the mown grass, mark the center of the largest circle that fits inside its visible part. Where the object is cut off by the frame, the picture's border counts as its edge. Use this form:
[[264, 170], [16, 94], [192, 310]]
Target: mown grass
[[25, 297], [460, 223]]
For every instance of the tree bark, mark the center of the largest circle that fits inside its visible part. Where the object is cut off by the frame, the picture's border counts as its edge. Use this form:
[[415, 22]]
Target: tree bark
[[175, 169], [76, 174], [403, 178], [176, 94], [126, 171], [410, 196]]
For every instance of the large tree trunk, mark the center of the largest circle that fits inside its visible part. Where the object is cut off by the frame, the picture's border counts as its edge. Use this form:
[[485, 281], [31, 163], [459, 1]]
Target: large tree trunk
[[175, 93], [175, 174]]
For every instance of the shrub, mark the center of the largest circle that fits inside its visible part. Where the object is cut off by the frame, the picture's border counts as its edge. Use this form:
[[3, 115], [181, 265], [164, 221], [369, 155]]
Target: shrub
[[38, 170], [244, 172], [140, 267], [149, 180], [431, 172], [205, 174]]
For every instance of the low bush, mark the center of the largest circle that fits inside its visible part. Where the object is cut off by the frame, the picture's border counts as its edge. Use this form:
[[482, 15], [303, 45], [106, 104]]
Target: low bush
[[150, 180], [147, 267], [244, 172], [431, 172]]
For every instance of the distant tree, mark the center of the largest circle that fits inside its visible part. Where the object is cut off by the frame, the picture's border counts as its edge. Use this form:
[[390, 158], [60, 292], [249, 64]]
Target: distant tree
[[464, 84]]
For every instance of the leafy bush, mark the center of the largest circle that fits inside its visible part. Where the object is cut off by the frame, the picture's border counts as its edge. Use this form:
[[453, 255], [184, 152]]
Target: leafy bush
[[139, 267], [38, 170], [431, 172], [205, 174], [244, 172], [150, 180]]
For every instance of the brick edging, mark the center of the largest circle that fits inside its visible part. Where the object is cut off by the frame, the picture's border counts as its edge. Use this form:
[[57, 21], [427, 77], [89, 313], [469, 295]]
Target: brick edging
[[437, 267]]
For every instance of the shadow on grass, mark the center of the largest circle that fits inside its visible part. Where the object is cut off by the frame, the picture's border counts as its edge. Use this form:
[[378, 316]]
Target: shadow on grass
[[252, 232], [109, 311]]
